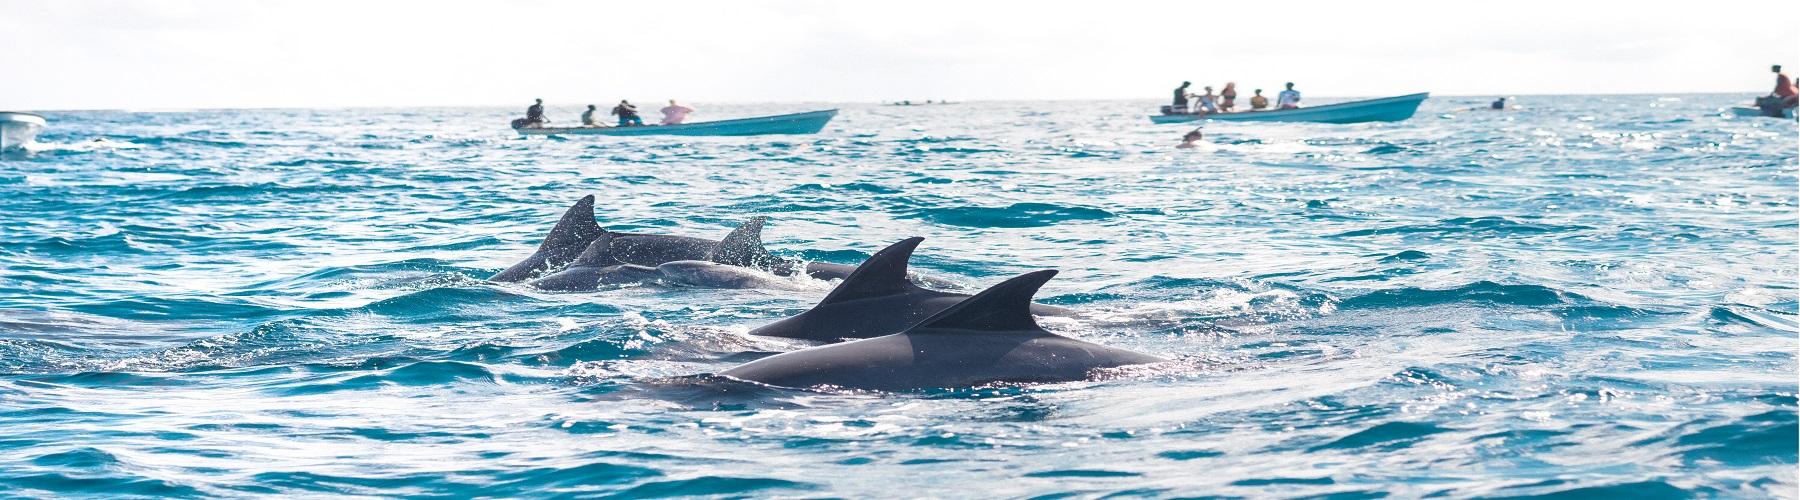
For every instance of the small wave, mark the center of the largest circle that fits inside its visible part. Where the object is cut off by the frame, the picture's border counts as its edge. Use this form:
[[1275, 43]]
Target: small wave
[[1385, 437], [1474, 226], [1487, 292], [1017, 215]]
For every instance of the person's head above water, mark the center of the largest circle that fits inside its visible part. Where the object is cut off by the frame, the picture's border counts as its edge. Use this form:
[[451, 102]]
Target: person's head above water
[[1290, 85], [1192, 136]]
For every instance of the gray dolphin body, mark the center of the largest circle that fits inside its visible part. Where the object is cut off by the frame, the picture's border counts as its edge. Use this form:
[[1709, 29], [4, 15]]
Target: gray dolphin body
[[738, 261], [594, 268], [877, 299], [577, 230], [985, 339]]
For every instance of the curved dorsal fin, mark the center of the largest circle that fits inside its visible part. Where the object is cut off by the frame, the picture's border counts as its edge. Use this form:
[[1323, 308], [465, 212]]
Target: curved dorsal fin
[[882, 274], [576, 226], [743, 247], [597, 254], [1004, 307]]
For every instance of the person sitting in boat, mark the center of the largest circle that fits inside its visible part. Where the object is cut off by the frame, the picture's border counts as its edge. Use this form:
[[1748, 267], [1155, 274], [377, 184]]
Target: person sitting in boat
[[1288, 99], [1499, 104], [1227, 96], [1258, 101], [674, 114], [627, 113], [588, 119], [1181, 99], [1209, 103], [1191, 140], [1784, 88], [534, 115]]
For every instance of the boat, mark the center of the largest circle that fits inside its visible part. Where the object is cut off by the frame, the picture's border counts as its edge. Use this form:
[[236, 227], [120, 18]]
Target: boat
[[18, 129], [810, 122], [1386, 109], [1757, 112]]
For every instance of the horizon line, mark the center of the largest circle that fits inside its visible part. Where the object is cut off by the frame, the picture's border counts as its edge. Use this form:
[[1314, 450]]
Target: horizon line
[[885, 102]]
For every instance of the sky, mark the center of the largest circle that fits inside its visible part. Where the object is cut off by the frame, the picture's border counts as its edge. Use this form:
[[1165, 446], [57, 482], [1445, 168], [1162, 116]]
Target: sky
[[162, 54]]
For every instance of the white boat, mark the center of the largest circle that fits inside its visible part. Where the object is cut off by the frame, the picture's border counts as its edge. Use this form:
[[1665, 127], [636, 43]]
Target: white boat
[[18, 129], [1753, 111]]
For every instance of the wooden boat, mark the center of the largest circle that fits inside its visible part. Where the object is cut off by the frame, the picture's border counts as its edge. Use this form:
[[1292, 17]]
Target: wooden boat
[[1386, 109], [810, 122], [18, 129], [1754, 111]]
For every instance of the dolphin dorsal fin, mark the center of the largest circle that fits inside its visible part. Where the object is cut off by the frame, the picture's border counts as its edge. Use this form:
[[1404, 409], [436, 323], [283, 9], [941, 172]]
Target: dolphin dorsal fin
[[743, 247], [1004, 307], [577, 225], [882, 274], [597, 254]]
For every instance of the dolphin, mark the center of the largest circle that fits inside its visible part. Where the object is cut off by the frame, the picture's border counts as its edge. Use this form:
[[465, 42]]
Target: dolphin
[[738, 261], [877, 299], [595, 266], [578, 229], [986, 339], [571, 235]]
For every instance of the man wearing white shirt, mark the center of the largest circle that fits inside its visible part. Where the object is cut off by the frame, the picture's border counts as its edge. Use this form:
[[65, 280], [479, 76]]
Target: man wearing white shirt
[[1288, 99]]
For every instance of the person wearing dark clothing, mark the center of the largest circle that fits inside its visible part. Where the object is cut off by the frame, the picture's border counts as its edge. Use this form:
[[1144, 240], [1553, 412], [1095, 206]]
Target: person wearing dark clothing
[[1181, 95], [534, 115], [627, 114]]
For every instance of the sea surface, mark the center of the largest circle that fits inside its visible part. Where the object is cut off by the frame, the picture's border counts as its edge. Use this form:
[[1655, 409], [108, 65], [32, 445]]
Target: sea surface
[[1592, 296]]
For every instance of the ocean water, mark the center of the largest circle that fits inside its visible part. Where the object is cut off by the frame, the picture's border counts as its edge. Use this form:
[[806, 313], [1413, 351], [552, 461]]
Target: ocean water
[[1594, 296]]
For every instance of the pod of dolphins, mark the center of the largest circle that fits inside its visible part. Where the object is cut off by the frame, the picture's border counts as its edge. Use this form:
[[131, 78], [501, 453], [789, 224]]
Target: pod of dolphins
[[884, 329]]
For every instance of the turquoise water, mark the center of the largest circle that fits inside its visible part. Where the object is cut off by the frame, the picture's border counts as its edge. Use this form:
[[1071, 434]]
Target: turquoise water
[[1595, 296]]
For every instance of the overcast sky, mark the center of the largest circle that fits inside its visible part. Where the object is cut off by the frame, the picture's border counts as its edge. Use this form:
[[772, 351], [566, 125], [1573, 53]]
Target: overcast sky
[[74, 54]]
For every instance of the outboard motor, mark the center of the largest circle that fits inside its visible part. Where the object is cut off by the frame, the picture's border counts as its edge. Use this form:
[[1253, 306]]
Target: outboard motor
[[519, 123]]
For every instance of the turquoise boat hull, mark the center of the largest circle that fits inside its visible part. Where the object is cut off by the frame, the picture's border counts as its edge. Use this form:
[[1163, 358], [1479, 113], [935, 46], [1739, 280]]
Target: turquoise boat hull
[[1754, 111], [810, 122], [1386, 109]]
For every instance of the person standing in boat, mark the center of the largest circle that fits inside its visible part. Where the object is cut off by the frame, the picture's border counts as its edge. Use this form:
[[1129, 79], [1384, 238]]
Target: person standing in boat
[[1288, 99], [534, 115], [1181, 98], [588, 119], [1258, 101], [674, 114], [627, 113], [1227, 96]]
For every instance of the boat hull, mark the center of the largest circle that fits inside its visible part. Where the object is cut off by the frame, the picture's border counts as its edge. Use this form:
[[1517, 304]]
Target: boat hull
[[19, 129], [1386, 109], [1751, 111], [791, 124]]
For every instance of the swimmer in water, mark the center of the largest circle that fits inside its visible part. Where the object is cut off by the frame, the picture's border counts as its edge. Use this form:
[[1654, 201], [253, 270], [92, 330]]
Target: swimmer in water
[[1190, 140]]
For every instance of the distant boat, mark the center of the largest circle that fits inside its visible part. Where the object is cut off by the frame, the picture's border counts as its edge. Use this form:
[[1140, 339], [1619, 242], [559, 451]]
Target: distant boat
[[1753, 111], [1386, 109], [810, 122], [18, 129]]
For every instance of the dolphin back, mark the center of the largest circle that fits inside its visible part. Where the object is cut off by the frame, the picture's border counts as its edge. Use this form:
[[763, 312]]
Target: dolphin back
[[571, 235]]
